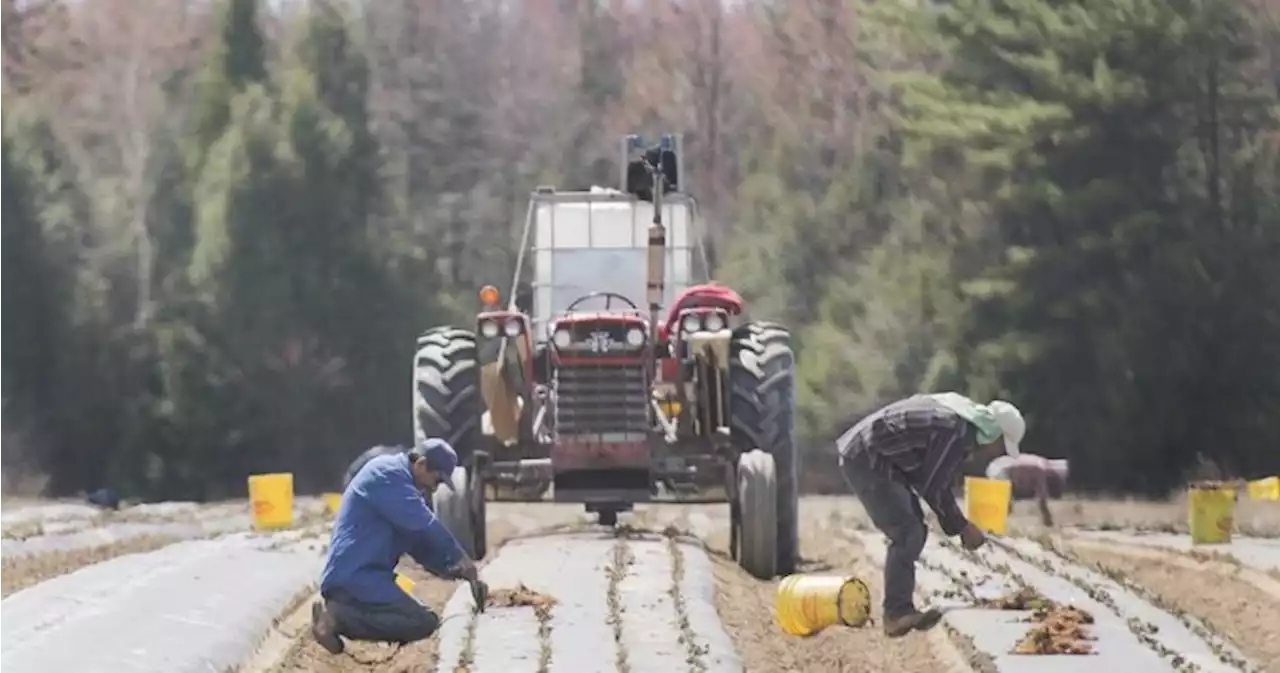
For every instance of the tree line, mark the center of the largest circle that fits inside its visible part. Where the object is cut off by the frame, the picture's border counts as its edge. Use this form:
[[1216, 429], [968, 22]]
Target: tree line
[[225, 220]]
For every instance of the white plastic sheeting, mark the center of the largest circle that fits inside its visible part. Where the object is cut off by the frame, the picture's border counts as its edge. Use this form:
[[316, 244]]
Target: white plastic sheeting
[[1190, 638], [1260, 553], [195, 606], [996, 632], [165, 509], [575, 570], [43, 513], [56, 518], [698, 588], [652, 641], [180, 520], [99, 536]]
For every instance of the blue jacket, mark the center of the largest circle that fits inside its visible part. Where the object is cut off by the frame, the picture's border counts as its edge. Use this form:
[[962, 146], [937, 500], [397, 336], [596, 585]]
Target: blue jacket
[[382, 517]]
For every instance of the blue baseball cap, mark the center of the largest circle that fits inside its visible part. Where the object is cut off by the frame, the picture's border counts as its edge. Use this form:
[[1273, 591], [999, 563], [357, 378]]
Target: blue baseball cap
[[440, 458]]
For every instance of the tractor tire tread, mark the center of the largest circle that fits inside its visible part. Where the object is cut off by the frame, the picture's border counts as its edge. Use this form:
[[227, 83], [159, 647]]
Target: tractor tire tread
[[446, 389], [762, 416]]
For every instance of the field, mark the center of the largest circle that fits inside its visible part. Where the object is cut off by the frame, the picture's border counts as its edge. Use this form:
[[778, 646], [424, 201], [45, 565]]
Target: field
[[181, 586]]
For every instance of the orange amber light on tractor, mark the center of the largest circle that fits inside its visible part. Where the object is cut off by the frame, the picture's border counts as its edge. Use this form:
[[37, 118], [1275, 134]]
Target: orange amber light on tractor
[[489, 295]]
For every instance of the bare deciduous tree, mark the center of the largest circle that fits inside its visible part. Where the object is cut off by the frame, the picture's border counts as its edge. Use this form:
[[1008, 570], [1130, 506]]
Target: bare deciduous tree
[[103, 67]]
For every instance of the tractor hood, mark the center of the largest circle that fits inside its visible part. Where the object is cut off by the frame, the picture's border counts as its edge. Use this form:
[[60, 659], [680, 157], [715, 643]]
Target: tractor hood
[[597, 317]]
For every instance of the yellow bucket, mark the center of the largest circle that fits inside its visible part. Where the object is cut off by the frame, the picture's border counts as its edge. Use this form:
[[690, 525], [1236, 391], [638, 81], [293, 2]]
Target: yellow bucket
[[271, 497], [1211, 514], [331, 502], [1265, 489], [806, 604], [986, 503], [405, 584]]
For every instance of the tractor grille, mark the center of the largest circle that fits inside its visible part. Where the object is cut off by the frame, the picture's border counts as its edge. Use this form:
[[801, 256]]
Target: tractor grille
[[601, 399]]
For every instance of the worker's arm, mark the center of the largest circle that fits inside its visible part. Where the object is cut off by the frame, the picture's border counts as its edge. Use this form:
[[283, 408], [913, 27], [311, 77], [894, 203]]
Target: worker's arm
[[429, 557], [395, 497], [946, 453]]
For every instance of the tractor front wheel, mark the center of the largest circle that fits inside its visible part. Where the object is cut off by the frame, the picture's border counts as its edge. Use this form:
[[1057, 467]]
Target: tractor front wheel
[[457, 511], [757, 537]]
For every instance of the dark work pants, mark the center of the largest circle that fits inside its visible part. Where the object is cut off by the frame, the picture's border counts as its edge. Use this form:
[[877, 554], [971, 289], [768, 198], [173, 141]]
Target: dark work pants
[[404, 621], [896, 511]]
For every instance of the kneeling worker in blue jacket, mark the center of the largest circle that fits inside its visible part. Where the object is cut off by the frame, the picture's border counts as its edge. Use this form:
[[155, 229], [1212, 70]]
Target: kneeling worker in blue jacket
[[383, 516]]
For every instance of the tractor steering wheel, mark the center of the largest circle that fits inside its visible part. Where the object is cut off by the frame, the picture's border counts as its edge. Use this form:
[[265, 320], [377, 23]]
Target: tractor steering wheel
[[608, 301]]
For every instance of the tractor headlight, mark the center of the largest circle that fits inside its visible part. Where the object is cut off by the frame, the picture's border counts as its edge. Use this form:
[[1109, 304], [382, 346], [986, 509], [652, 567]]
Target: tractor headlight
[[489, 329], [635, 336], [562, 338], [691, 323], [512, 328], [714, 322]]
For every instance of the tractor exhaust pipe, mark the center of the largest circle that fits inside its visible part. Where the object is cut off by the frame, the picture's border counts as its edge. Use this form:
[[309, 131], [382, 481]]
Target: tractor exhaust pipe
[[657, 284], [650, 162]]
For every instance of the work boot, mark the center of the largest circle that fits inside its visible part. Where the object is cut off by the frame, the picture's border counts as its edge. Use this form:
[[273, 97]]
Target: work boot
[[915, 620], [324, 629]]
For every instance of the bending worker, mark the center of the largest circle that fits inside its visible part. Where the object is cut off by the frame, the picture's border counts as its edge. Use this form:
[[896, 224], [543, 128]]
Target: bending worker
[[383, 516], [915, 447], [1031, 476]]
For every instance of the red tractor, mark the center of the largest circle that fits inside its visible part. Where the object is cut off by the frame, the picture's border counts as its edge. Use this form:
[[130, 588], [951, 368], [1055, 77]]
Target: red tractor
[[576, 390]]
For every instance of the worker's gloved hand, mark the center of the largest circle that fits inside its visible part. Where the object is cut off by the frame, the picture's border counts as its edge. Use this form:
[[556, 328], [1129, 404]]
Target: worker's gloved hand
[[465, 570], [479, 594], [972, 537]]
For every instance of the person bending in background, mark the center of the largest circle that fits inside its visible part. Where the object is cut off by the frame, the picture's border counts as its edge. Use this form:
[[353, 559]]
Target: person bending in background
[[1031, 476], [915, 448], [383, 516]]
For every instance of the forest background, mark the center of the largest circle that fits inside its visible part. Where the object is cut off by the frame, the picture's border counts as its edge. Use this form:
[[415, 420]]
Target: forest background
[[224, 222]]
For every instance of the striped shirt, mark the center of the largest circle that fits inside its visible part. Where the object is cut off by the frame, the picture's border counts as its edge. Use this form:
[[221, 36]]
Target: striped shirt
[[918, 442]]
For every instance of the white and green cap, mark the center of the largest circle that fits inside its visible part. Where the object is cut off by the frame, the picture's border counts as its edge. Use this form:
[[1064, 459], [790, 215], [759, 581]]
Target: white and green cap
[[993, 421], [1012, 425]]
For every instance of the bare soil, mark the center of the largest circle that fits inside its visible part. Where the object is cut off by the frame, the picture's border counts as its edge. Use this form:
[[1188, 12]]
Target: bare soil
[[306, 656], [745, 604], [1227, 605], [827, 545]]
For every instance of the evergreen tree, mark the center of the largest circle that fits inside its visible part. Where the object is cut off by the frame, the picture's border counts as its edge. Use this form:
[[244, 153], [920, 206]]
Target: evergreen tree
[[35, 306], [1078, 118], [237, 59]]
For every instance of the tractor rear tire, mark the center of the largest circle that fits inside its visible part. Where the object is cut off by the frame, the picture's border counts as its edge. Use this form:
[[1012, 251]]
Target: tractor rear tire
[[447, 405], [364, 458], [446, 390], [757, 551], [456, 511], [762, 416]]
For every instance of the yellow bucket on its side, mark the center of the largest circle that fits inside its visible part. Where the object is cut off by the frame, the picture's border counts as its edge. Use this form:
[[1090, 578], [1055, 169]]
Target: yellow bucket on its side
[[271, 497], [1264, 489], [331, 502], [806, 604], [986, 503], [405, 584], [1211, 514]]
